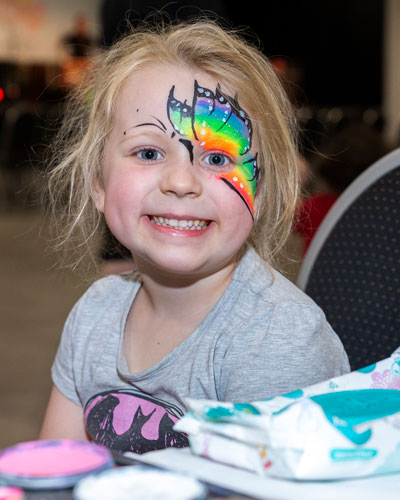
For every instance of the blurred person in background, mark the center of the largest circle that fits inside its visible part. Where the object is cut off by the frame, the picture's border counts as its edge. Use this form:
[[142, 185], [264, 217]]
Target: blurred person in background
[[78, 48]]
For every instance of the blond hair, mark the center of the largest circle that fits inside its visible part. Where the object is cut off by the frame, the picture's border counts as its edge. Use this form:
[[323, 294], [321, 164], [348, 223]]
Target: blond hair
[[202, 45]]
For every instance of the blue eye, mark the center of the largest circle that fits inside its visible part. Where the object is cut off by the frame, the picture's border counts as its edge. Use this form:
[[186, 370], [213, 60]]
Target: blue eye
[[149, 154], [217, 160]]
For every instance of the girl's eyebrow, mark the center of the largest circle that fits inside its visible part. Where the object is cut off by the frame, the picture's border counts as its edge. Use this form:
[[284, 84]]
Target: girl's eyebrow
[[149, 123], [163, 128]]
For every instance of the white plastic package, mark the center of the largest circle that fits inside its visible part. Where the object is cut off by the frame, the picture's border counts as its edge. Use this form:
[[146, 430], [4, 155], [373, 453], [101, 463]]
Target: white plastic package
[[348, 426]]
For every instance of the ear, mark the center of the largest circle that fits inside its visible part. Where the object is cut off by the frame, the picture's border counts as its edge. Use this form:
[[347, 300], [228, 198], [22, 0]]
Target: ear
[[98, 194]]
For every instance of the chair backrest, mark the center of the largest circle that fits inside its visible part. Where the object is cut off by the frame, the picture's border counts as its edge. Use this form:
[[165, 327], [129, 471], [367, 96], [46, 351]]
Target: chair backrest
[[352, 267]]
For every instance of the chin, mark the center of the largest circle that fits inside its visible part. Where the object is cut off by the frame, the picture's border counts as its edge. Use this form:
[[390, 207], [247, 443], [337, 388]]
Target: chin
[[176, 267], [181, 269]]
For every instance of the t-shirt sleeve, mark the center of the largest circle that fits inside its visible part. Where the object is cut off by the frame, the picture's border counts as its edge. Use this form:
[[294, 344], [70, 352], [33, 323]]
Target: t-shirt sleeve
[[288, 347], [62, 370]]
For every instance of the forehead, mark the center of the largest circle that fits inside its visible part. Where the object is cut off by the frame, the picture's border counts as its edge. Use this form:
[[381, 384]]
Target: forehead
[[146, 91]]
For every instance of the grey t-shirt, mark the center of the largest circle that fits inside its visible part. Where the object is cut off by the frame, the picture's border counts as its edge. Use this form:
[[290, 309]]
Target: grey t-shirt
[[264, 337]]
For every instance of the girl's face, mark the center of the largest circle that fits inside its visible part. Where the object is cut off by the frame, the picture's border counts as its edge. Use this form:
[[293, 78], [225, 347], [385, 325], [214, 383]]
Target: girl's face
[[180, 172]]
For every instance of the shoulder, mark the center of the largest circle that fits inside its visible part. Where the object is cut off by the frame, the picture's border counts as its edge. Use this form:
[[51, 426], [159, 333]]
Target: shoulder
[[259, 284], [96, 313], [104, 294], [105, 288], [278, 321], [91, 332], [277, 339]]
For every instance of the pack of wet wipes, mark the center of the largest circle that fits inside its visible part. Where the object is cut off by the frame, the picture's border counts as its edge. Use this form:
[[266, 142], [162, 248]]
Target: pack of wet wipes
[[345, 427]]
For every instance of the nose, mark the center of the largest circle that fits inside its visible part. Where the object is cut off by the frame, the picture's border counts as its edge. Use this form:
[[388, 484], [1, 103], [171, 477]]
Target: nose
[[181, 179]]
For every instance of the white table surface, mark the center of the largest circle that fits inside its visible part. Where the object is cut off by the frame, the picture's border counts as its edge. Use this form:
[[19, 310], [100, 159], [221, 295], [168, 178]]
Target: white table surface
[[384, 487]]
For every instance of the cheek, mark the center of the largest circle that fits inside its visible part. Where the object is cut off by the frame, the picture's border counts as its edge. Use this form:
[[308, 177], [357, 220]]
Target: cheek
[[118, 196], [121, 208], [123, 197], [231, 204]]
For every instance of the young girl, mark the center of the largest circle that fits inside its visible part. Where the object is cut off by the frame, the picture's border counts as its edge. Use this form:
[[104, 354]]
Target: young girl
[[183, 143]]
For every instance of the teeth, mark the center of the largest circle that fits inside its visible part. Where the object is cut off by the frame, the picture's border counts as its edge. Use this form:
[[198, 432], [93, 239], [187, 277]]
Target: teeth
[[195, 224]]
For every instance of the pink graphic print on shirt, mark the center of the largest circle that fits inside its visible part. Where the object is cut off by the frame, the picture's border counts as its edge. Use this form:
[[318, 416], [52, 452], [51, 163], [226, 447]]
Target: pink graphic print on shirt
[[129, 420]]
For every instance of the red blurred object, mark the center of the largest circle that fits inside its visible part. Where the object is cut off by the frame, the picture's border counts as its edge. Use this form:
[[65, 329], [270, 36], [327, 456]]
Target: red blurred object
[[311, 213], [279, 64], [1, 94]]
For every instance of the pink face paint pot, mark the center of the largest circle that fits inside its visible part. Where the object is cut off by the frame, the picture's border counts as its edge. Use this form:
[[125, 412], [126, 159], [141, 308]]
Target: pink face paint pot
[[52, 464], [139, 483], [11, 493]]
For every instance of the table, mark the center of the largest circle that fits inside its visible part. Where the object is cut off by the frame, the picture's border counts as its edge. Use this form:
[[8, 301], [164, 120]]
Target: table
[[215, 491], [245, 485], [383, 487]]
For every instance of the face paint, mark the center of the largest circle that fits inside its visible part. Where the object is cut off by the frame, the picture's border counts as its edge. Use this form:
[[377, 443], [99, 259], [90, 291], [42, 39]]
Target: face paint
[[189, 146], [217, 123]]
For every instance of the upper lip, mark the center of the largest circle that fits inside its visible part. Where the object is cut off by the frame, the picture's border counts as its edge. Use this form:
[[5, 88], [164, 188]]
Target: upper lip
[[179, 217]]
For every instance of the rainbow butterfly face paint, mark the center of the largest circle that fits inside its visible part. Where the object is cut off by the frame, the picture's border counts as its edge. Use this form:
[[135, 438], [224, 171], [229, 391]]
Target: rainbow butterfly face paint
[[216, 122]]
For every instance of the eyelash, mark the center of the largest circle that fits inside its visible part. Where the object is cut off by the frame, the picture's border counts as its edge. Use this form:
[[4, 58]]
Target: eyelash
[[145, 150], [228, 161]]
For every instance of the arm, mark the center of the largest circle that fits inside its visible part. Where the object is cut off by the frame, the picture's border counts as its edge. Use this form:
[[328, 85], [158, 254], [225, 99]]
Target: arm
[[63, 419]]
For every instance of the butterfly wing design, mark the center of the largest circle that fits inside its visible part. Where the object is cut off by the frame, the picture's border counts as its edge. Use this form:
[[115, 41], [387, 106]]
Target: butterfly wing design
[[217, 123]]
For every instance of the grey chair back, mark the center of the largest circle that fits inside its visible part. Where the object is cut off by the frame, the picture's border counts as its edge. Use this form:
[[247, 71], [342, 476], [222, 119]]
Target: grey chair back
[[352, 267]]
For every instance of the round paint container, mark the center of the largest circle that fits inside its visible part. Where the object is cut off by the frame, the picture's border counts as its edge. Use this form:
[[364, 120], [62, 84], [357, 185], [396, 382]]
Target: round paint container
[[51, 464], [139, 483], [11, 493]]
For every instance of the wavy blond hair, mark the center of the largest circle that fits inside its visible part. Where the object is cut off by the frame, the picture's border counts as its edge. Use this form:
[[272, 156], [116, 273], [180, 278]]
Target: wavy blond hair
[[77, 152]]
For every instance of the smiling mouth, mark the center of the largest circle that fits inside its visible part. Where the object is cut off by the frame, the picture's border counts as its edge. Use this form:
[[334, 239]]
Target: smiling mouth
[[182, 224]]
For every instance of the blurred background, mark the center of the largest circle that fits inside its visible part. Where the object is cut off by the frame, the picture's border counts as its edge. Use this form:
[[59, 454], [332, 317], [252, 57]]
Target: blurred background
[[340, 63]]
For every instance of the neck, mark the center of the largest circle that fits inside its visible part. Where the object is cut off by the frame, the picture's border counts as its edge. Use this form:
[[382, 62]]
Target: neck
[[188, 295]]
